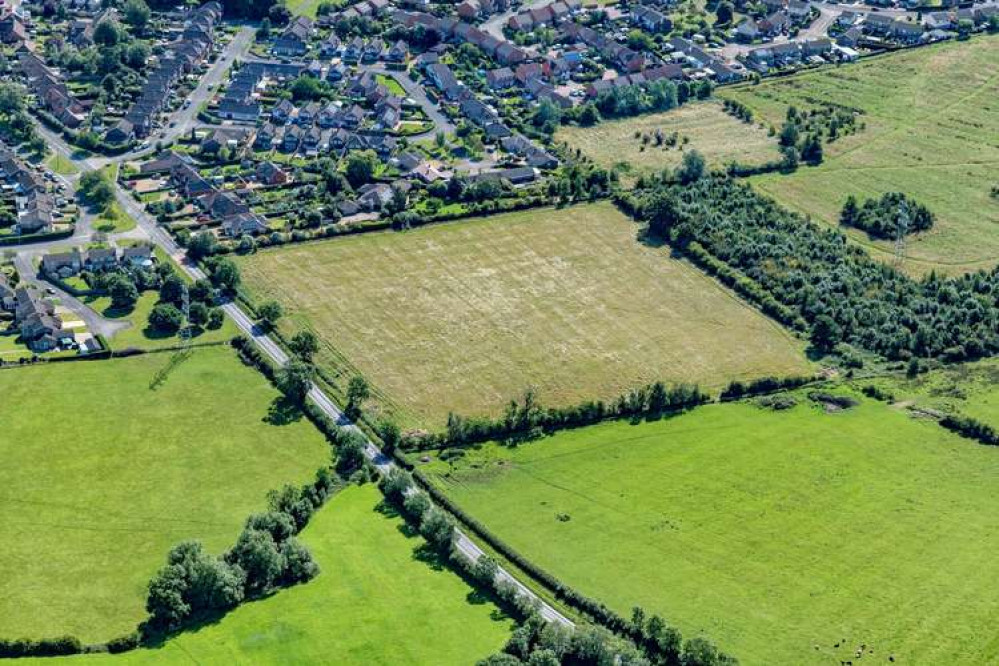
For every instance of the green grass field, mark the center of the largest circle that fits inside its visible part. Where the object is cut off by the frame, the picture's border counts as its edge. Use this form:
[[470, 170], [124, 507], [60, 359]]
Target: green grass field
[[931, 121], [378, 600], [777, 534], [140, 335], [465, 316], [114, 220], [715, 134], [103, 474]]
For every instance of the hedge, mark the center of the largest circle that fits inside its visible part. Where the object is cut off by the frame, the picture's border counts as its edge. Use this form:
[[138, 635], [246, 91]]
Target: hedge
[[36, 238], [970, 428]]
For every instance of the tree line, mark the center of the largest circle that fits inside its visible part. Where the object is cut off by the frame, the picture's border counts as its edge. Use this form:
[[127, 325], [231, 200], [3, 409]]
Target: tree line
[[837, 290], [641, 641], [527, 418]]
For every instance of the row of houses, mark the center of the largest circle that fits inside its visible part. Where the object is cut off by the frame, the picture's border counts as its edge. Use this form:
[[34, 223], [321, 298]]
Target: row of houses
[[551, 14], [240, 101], [615, 54], [372, 50], [234, 215], [40, 327], [795, 14], [294, 41], [67, 264], [789, 53], [533, 78], [686, 53], [670, 71], [315, 140], [49, 89], [473, 10], [192, 48], [650, 19], [450, 28], [978, 16]]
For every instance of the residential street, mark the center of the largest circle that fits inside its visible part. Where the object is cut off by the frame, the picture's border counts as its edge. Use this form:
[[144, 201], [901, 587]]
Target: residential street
[[150, 229], [418, 94], [96, 324]]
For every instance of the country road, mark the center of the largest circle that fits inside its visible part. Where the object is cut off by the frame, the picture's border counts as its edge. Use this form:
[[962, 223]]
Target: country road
[[150, 229]]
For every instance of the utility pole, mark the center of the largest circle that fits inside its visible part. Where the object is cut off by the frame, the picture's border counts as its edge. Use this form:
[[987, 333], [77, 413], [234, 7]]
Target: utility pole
[[901, 232]]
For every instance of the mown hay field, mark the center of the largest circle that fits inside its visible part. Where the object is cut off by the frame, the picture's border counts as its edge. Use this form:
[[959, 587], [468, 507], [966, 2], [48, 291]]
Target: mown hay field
[[788, 537], [105, 470], [465, 316], [931, 122], [706, 127]]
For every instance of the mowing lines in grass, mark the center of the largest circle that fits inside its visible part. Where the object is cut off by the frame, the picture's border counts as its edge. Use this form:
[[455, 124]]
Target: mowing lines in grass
[[463, 317], [770, 532]]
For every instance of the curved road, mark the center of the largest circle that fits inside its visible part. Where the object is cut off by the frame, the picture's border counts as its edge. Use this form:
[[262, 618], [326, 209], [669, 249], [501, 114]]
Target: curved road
[[153, 232]]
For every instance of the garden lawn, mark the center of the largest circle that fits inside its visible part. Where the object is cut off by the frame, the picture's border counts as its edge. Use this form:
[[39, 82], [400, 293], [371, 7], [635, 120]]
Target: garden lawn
[[102, 475], [718, 136], [61, 165], [377, 600], [465, 316], [141, 335], [931, 120], [779, 535]]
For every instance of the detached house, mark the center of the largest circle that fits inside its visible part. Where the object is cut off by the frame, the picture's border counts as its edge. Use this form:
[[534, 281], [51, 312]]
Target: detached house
[[294, 41]]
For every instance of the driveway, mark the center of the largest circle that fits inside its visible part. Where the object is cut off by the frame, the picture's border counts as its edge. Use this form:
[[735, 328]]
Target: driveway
[[96, 324], [418, 94]]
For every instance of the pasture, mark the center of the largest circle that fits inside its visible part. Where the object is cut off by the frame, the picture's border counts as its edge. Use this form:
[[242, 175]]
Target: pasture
[[465, 316], [931, 119], [378, 600], [707, 128], [105, 470], [788, 537]]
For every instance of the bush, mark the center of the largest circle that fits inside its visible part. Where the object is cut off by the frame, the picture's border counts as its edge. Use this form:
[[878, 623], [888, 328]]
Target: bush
[[166, 318]]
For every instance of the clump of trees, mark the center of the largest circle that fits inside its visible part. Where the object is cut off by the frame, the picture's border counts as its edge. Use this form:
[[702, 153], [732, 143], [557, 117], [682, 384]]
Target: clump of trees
[[195, 585], [663, 95], [97, 190], [738, 110], [813, 275], [889, 215]]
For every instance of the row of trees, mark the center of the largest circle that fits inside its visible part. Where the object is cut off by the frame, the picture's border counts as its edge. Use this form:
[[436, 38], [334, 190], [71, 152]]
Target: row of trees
[[529, 419], [644, 641], [888, 216], [813, 272]]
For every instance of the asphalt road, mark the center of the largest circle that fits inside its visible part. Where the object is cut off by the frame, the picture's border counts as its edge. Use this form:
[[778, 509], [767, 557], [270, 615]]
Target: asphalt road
[[418, 94], [154, 233], [96, 324]]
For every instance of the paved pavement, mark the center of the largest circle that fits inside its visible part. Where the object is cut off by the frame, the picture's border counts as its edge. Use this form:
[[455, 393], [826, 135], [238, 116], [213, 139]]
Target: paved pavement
[[96, 324], [149, 226], [418, 94], [185, 118]]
